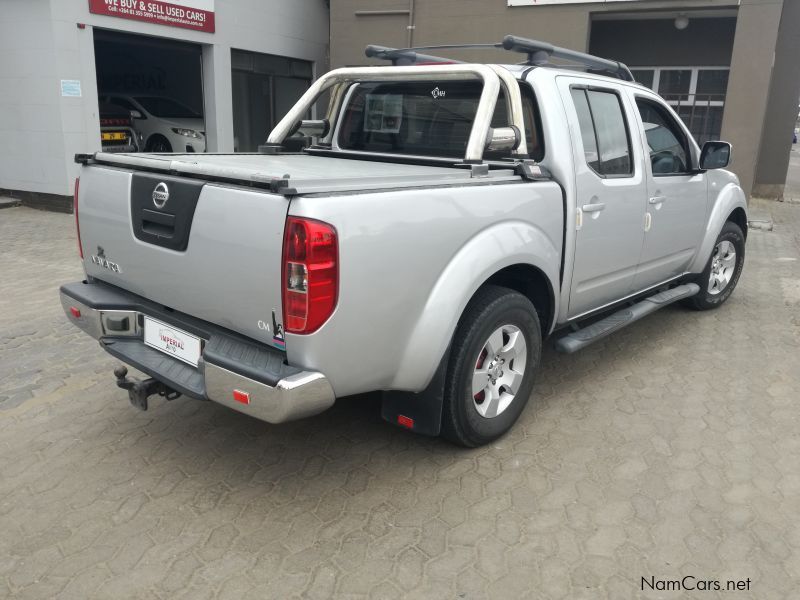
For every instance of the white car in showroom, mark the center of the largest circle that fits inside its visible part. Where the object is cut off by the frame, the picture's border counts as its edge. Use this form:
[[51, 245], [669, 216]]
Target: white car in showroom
[[165, 124]]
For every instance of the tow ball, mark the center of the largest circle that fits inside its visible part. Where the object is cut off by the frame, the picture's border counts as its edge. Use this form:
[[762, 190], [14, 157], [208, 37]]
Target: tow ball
[[139, 390]]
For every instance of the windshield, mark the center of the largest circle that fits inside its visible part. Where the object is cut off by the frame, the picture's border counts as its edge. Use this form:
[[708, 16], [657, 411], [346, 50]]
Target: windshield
[[167, 108], [425, 118]]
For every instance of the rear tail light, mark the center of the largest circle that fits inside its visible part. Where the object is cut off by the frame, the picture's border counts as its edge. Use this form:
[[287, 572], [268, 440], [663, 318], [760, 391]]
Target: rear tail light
[[75, 210], [310, 274]]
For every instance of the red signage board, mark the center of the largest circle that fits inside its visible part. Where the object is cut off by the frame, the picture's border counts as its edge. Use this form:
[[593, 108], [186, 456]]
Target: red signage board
[[190, 14]]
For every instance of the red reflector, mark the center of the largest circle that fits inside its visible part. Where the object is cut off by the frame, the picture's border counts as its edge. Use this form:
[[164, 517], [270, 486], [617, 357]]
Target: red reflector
[[406, 422], [240, 396], [76, 312]]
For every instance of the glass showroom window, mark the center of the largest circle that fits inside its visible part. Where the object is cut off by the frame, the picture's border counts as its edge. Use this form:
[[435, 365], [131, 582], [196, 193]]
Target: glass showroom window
[[264, 88], [696, 93]]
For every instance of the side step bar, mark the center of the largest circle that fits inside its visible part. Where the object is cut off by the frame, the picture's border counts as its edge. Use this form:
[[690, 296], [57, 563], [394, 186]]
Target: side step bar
[[583, 337]]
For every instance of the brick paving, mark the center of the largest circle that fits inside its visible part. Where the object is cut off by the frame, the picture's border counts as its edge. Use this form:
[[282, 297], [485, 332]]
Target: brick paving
[[792, 192], [667, 450]]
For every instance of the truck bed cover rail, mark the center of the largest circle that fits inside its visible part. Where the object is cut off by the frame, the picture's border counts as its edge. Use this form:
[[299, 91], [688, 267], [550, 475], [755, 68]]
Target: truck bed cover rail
[[295, 174]]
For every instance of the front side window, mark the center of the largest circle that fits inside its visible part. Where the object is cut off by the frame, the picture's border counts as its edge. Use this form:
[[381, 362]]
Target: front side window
[[604, 132], [425, 118], [669, 154]]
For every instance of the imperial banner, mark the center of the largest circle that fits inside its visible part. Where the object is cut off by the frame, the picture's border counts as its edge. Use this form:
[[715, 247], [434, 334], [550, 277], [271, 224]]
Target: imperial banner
[[190, 14]]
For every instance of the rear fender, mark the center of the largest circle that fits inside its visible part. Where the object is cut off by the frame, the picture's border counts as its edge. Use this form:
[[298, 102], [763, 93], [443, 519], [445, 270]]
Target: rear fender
[[730, 197], [495, 248]]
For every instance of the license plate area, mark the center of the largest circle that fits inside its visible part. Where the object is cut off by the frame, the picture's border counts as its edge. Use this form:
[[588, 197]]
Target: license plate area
[[115, 136], [172, 341]]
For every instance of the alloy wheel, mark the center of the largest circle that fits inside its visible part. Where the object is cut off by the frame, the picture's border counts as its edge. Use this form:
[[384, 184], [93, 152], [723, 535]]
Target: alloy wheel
[[723, 266], [498, 372]]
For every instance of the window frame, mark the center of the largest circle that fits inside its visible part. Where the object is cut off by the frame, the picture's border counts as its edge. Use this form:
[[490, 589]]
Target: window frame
[[690, 98], [662, 105], [267, 65], [692, 93], [618, 93]]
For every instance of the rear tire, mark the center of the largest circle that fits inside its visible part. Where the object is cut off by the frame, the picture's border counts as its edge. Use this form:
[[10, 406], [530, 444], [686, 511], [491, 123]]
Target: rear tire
[[719, 278], [495, 354]]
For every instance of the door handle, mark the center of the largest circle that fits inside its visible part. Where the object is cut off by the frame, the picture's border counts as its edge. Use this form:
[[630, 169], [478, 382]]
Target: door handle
[[597, 207], [657, 199]]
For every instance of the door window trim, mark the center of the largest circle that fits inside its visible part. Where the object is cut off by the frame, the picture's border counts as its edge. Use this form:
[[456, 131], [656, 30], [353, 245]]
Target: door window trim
[[618, 93]]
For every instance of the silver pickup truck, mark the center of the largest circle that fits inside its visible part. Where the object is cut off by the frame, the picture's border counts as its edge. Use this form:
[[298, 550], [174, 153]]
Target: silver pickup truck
[[443, 221]]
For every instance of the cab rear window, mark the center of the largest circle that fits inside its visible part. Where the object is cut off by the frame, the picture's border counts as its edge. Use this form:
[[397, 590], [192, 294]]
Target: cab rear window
[[426, 118]]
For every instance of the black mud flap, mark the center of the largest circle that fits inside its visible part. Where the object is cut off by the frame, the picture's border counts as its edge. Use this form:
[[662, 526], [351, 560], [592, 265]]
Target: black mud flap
[[420, 412]]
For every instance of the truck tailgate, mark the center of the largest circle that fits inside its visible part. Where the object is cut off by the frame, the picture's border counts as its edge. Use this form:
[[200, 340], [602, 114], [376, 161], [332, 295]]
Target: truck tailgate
[[210, 250]]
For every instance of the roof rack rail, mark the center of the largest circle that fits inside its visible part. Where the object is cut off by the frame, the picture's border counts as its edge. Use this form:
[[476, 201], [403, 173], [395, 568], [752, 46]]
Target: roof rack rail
[[406, 56], [539, 54]]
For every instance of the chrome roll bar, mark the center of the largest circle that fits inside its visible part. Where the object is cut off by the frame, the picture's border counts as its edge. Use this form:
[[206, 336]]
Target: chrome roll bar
[[492, 77], [513, 106]]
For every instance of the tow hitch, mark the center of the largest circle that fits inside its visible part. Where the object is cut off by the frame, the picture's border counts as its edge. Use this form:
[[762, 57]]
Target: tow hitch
[[139, 390]]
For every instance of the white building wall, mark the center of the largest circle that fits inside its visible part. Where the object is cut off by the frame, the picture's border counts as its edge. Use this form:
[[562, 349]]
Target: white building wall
[[31, 131], [41, 44]]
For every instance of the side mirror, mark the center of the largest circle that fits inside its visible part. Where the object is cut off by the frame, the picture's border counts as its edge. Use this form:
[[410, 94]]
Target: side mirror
[[312, 128], [715, 155], [502, 138], [136, 114]]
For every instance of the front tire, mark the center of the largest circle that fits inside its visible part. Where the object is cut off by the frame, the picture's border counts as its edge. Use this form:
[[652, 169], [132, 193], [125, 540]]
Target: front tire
[[493, 361], [159, 144], [719, 278]]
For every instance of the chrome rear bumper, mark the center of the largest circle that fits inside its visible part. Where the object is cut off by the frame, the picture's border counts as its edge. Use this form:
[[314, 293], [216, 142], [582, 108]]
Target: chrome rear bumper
[[295, 395]]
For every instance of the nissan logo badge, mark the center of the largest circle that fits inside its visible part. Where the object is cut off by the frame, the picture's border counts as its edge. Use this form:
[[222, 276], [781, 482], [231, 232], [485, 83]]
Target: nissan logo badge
[[160, 195]]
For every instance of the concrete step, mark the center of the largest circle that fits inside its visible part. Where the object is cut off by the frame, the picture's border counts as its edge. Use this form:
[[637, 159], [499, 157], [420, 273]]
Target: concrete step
[[6, 202]]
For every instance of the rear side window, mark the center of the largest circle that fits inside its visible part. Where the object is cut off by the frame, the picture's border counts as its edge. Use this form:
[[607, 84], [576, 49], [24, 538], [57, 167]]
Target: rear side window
[[426, 118], [604, 132]]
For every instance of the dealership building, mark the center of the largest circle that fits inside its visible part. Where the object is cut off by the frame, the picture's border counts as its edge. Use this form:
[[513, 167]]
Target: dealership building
[[234, 66], [730, 68]]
